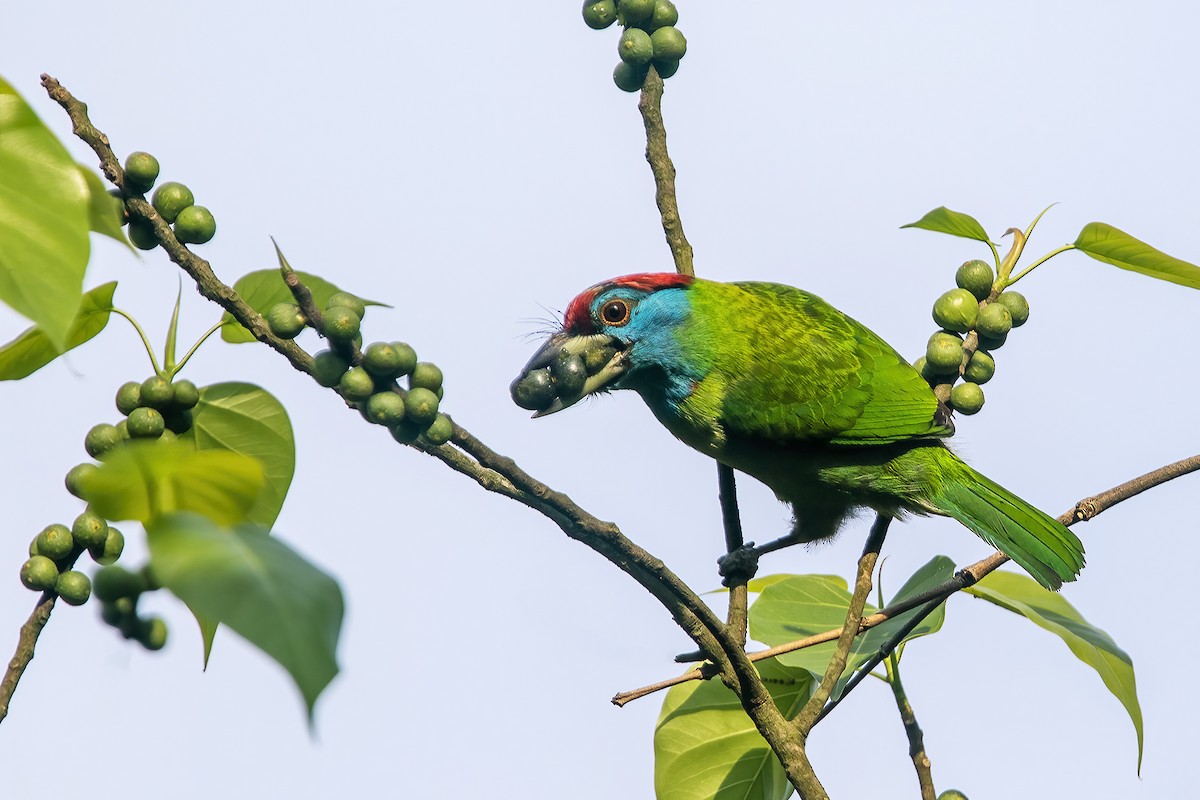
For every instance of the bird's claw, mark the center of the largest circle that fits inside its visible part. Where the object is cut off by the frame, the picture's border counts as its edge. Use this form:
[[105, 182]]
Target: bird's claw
[[738, 566]]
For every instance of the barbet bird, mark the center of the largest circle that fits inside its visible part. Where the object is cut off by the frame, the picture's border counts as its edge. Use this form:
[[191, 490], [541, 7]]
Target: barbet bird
[[776, 383]]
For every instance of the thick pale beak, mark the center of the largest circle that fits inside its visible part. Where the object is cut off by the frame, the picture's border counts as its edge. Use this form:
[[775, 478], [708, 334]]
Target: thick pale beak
[[566, 369]]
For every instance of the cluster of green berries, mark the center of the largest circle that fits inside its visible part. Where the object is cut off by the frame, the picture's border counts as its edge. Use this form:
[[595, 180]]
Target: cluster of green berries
[[564, 379], [371, 384], [173, 201], [973, 306], [118, 590], [53, 553], [650, 37], [155, 408]]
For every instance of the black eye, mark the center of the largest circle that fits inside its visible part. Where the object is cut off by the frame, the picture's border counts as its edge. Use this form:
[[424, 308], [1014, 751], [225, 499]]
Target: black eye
[[615, 312]]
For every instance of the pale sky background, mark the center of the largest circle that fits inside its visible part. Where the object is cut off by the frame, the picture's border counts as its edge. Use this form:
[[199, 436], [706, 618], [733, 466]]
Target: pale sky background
[[473, 165]]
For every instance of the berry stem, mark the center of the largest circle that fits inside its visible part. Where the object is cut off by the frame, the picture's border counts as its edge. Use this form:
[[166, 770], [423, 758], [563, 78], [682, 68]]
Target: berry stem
[[1010, 281], [145, 340], [173, 371]]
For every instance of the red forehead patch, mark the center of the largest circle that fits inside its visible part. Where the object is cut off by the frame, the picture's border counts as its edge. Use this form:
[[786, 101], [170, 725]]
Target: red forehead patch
[[578, 320]]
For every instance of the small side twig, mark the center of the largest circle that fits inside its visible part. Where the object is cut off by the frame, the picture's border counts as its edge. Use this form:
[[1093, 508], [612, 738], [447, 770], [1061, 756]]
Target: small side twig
[[650, 106], [26, 643], [916, 738]]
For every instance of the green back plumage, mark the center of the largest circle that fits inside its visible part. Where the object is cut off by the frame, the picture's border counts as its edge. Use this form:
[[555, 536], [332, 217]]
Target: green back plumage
[[811, 374]]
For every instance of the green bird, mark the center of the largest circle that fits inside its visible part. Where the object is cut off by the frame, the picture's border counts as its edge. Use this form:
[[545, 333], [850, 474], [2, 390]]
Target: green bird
[[776, 383]]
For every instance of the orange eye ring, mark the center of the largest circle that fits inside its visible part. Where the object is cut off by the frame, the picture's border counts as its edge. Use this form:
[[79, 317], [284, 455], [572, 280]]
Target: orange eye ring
[[615, 312]]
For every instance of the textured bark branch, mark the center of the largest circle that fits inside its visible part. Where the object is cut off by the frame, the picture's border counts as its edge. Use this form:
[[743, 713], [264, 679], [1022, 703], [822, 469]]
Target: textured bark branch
[[26, 643], [650, 105], [916, 738], [737, 617]]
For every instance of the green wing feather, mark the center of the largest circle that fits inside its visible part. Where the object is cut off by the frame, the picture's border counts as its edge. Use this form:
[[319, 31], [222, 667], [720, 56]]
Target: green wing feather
[[813, 374]]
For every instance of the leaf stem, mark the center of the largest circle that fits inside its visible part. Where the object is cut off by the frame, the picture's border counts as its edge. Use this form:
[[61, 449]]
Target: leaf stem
[[1010, 281], [192, 351], [145, 340]]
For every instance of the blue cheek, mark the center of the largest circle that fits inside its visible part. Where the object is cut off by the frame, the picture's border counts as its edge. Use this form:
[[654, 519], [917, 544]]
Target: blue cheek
[[661, 368]]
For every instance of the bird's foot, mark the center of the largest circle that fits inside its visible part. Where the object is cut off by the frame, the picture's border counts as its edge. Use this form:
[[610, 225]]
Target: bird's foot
[[738, 566]]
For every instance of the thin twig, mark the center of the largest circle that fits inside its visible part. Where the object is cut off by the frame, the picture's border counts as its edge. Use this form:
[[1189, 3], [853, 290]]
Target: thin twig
[[1082, 511], [810, 713], [916, 738], [650, 105], [26, 643]]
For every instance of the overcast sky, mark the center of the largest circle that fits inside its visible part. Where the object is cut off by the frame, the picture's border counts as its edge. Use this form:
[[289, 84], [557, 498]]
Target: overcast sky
[[473, 165]]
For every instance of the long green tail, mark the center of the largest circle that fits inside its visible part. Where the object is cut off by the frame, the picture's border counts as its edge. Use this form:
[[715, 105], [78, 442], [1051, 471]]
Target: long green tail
[[1042, 545]]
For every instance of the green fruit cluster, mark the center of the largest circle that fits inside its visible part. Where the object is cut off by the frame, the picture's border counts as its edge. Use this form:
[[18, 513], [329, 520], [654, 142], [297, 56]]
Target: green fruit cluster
[[53, 552], [974, 306], [650, 37], [118, 590], [154, 408], [173, 201]]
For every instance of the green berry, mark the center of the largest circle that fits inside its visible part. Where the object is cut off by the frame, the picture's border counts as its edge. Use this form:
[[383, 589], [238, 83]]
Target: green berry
[[668, 44], [156, 392], [147, 573], [39, 574], [405, 432], [408, 357], [114, 583], [119, 205], [666, 67], [534, 391], [100, 439], [328, 368], [426, 376], [90, 530], [114, 545], [420, 406], [976, 277], [341, 324], [635, 12], [665, 13], [1017, 305], [176, 420], [348, 300], [599, 15], [385, 408], [152, 633], [966, 398], [146, 423], [384, 361], [356, 384], [77, 476], [629, 78], [596, 358], [956, 310], [141, 171], [980, 368], [142, 235], [170, 198], [440, 430], [186, 394], [129, 397], [73, 587], [943, 353], [635, 47], [990, 343], [54, 542], [286, 320], [569, 375], [112, 614], [195, 225], [995, 321], [952, 794]]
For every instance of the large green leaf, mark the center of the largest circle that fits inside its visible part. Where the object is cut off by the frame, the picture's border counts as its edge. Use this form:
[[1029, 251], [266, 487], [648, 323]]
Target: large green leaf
[[143, 480], [259, 587], [104, 211], [1112, 246], [706, 748], [247, 419], [264, 288], [33, 349], [1022, 595], [43, 220], [955, 223], [800, 606]]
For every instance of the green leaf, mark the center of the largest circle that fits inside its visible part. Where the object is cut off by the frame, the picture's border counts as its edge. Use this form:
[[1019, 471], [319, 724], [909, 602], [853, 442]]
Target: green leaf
[[264, 288], [706, 748], [259, 587], [800, 606], [1022, 595], [104, 210], [33, 349], [43, 221], [144, 480], [1105, 243], [943, 220], [247, 419]]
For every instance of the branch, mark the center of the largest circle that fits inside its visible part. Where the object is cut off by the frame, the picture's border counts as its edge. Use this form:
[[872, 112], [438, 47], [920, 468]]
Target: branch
[[916, 739], [26, 642], [650, 104], [811, 711], [1082, 511], [737, 618]]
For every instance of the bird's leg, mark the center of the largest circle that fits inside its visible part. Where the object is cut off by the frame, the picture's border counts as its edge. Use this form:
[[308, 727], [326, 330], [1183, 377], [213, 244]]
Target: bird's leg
[[741, 563]]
